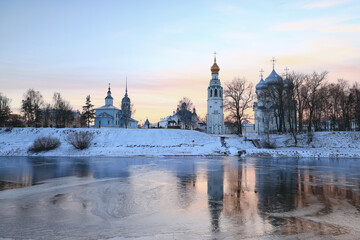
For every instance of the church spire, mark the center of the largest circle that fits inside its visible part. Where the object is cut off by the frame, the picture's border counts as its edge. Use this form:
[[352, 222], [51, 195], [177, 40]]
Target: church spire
[[215, 68], [126, 88], [109, 98]]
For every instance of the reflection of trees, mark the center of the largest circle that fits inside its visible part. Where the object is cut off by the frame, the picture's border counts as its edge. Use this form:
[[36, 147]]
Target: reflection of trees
[[15, 172], [215, 176], [287, 186], [43, 168], [241, 200], [267, 196], [81, 167], [277, 185]]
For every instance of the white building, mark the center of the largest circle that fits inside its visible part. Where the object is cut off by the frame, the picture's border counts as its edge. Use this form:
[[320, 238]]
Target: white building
[[215, 114], [111, 116], [182, 118]]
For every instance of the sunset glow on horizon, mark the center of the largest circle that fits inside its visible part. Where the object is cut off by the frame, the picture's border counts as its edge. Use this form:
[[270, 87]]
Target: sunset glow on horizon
[[165, 48]]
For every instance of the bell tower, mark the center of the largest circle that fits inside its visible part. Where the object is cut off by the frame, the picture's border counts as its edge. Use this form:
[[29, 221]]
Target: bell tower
[[215, 113]]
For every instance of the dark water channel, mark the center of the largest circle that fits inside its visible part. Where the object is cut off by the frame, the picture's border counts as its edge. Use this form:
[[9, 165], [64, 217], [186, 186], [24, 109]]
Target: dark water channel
[[179, 198]]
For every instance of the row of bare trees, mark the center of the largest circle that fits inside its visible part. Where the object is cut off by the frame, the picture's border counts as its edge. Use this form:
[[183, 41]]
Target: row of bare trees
[[319, 101], [301, 99], [37, 113]]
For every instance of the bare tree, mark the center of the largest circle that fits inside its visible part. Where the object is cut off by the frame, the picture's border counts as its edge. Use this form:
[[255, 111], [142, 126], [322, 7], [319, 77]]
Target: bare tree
[[183, 110], [297, 80], [356, 112], [31, 107], [63, 111], [4, 109], [238, 98], [275, 92], [289, 110], [333, 105], [126, 114], [311, 97], [47, 115]]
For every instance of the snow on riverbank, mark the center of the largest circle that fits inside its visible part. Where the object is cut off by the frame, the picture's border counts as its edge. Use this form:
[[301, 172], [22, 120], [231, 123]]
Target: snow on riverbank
[[175, 142], [115, 142], [323, 144]]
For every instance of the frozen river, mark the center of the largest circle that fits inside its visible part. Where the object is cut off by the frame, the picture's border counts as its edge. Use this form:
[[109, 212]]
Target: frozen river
[[179, 198]]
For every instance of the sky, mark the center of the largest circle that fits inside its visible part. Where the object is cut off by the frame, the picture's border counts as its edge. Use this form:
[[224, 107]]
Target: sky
[[165, 48]]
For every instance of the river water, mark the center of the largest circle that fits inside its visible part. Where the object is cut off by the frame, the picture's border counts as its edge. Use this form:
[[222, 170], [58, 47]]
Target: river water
[[179, 198]]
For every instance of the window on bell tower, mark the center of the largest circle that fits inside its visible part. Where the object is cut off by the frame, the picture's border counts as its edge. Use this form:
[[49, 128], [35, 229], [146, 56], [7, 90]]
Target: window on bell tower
[[215, 94], [210, 92]]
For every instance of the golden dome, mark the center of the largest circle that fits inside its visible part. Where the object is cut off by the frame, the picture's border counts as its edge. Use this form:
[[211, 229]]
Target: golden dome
[[215, 68]]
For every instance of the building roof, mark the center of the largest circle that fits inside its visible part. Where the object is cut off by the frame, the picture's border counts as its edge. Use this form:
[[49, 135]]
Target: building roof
[[261, 85], [244, 123], [215, 68], [273, 78], [107, 107], [125, 98], [109, 93]]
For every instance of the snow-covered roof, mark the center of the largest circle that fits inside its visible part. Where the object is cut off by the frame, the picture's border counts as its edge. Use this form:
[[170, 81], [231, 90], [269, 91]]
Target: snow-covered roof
[[133, 120], [107, 107]]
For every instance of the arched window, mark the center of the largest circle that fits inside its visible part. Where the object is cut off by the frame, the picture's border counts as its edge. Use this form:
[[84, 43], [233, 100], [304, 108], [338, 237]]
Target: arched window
[[210, 92], [215, 94]]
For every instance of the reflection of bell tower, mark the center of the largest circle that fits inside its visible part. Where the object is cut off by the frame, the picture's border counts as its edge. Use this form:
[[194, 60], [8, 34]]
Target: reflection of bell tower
[[215, 187]]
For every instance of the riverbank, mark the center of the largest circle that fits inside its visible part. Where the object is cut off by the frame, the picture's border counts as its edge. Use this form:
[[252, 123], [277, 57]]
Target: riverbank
[[176, 142]]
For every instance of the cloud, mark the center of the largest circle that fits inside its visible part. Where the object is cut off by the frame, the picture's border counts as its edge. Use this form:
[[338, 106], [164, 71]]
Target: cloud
[[324, 4], [344, 28], [311, 24]]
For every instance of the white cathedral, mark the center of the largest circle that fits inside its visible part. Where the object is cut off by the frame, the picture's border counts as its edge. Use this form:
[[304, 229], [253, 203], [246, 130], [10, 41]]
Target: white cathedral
[[215, 113], [111, 116], [266, 111]]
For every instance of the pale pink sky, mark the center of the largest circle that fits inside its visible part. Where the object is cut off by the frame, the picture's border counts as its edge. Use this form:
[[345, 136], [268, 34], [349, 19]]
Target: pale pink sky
[[165, 48]]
